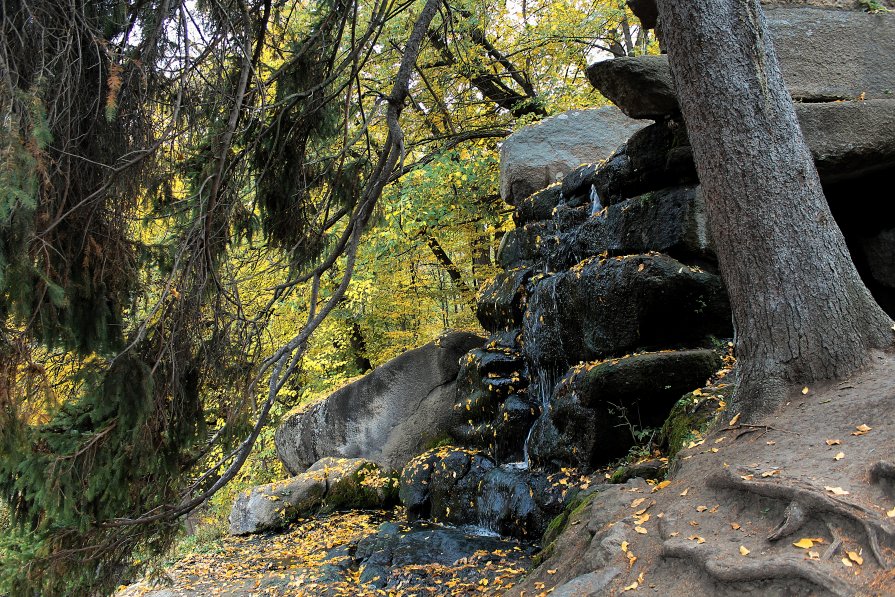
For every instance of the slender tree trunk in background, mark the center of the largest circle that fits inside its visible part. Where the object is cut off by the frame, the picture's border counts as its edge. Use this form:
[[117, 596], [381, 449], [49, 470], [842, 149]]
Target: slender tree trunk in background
[[450, 267], [800, 311], [481, 257], [359, 348]]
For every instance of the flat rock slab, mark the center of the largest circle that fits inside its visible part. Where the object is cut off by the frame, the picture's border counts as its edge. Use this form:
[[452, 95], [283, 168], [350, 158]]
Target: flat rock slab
[[849, 139], [825, 55], [388, 416], [539, 155]]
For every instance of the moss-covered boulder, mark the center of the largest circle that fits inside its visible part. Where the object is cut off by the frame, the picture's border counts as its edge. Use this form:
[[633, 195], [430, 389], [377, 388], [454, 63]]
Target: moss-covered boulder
[[330, 484], [692, 415]]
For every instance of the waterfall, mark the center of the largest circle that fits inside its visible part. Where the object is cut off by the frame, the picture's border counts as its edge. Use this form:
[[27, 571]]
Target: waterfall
[[595, 204]]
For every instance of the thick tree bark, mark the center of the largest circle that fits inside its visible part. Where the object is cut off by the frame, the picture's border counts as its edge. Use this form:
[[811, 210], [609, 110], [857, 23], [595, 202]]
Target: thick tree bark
[[800, 311]]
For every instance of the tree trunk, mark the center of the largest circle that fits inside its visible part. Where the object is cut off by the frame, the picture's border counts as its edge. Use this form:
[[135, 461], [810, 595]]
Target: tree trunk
[[800, 311]]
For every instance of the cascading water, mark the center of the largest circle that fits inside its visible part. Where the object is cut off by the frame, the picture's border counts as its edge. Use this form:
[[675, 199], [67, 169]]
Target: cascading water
[[595, 204]]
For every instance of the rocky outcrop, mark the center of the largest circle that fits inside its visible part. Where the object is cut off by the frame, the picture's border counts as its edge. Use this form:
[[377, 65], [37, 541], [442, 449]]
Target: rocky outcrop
[[330, 484], [388, 416], [610, 306], [825, 55], [597, 408], [541, 154]]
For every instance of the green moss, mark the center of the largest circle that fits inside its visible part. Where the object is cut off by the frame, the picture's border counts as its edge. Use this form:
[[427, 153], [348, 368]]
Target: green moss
[[575, 507], [437, 442], [367, 488], [693, 414]]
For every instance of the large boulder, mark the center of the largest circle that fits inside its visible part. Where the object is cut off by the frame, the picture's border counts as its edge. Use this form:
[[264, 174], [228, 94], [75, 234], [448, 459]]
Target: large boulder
[[825, 55], [641, 86], [388, 416], [539, 155], [609, 307], [330, 484]]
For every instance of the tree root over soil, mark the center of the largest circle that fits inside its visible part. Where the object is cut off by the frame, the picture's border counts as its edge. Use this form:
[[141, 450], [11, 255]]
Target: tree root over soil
[[805, 502], [731, 570]]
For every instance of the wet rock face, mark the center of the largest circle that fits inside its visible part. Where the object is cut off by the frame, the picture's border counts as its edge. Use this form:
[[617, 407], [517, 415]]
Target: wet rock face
[[606, 307], [500, 305], [463, 487], [670, 221], [655, 157], [493, 402], [422, 544], [597, 408]]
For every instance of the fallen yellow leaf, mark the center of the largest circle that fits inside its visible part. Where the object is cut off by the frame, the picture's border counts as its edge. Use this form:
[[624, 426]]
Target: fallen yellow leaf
[[735, 526], [696, 538], [855, 557], [684, 492], [701, 508], [734, 420], [744, 551], [861, 430], [552, 571], [833, 442], [846, 562], [839, 456], [661, 485], [805, 543], [770, 473], [836, 490], [634, 584], [640, 530], [813, 555], [637, 502], [891, 513], [805, 390]]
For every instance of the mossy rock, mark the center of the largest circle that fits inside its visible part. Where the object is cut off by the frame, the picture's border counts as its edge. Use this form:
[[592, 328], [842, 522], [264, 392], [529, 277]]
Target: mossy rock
[[575, 506], [653, 469], [357, 484], [692, 415]]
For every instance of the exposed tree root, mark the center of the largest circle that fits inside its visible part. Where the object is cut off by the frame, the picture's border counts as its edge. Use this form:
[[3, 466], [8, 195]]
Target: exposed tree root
[[837, 542], [805, 501], [729, 570]]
